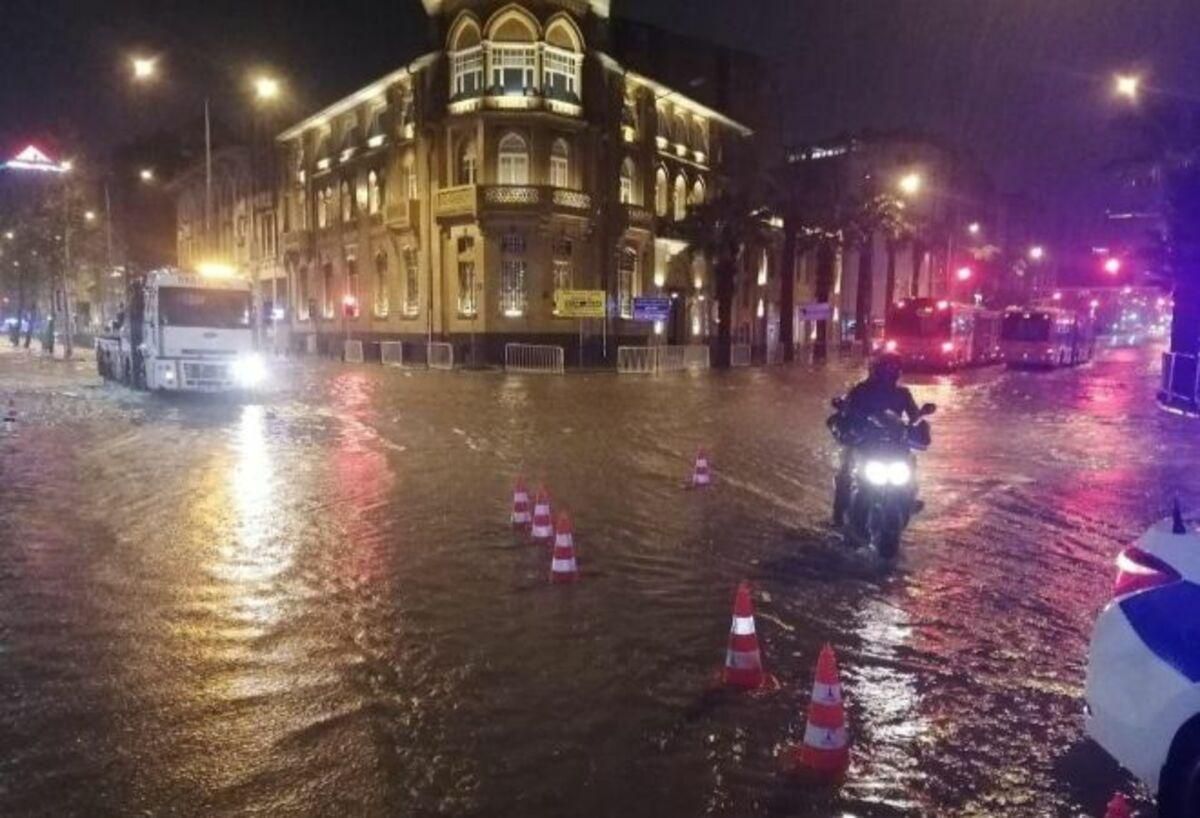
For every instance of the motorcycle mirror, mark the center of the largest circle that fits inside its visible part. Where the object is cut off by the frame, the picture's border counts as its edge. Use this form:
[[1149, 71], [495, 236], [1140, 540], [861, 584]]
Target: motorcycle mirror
[[929, 409]]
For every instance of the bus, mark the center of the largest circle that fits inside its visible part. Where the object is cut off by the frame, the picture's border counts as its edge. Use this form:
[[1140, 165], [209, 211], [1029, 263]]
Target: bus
[[1046, 337], [940, 334]]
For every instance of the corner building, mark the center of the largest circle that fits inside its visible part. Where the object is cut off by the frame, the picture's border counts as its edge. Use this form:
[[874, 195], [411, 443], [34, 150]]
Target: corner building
[[452, 198]]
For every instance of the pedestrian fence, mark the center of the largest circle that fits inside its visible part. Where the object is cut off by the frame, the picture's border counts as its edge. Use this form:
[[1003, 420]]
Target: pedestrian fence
[[775, 354], [391, 353], [739, 355], [310, 344], [1180, 380], [352, 352], [533, 358], [404, 354], [658, 359], [439, 355]]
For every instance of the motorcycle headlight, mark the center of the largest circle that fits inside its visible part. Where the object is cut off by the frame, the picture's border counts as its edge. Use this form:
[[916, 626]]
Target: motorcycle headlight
[[899, 473], [249, 370], [876, 472]]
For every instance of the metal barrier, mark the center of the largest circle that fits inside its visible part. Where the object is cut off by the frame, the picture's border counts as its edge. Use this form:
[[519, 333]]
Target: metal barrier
[[533, 358], [658, 359], [352, 352], [391, 353], [696, 356], [1180, 381], [636, 360], [440, 355], [739, 355], [310, 344]]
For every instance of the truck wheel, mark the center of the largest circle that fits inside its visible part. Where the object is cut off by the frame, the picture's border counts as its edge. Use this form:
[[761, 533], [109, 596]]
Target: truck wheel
[[1179, 789]]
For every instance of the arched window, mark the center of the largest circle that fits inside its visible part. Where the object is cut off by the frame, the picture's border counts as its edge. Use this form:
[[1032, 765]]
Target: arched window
[[680, 197], [466, 58], [381, 285], [323, 208], [347, 202], [512, 53], [412, 288], [467, 164], [327, 289], [304, 306], [697, 197], [514, 160], [561, 59], [560, 164], [353, 290], [374, 193], [627, 281], [681, 129], [410, 178], [662, 193], [627, 181]]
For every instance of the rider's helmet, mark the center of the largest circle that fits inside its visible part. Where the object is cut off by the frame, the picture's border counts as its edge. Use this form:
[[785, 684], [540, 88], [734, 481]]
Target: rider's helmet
[[886, 368]]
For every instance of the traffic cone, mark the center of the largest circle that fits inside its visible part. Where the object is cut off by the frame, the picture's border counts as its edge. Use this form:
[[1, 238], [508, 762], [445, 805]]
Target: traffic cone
[[562, 566], [825, 753], [701, 472], [1118, 807], [743, 659], [543, 521], [521, 516], [10, 418]]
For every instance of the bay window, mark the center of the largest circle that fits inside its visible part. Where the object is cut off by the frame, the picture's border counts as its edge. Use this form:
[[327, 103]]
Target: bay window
[[513, 67], [560, 73], [467, 72]]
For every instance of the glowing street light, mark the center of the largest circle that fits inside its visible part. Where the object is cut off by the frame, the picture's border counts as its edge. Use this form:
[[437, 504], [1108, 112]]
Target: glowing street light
[[144, 68], [266, 88], [1037, 252], [1127, 86], [910, 184], [9, 235], [146, 174], [973, 228], [1112, 265], [1057, 296], [964, 273], [89, 215]]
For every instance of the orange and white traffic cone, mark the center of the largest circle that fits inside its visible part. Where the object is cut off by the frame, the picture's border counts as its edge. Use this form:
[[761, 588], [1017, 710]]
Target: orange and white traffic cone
[[521, 516], [825, 753], [543, 521], [563, 567], [1118, 807], [701, 471], [743, 659]]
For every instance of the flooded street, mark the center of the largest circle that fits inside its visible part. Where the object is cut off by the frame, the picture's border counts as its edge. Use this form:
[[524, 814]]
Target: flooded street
[[313, 604]]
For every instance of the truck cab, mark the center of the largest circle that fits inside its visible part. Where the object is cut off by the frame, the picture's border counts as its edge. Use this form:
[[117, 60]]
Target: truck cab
[[184, 332]]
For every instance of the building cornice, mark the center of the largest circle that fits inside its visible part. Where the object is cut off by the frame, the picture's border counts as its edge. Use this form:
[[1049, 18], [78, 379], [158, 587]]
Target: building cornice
[[663, 92], [374, 90]]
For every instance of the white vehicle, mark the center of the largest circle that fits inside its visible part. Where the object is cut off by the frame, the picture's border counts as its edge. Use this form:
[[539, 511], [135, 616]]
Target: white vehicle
[[1143, 678], [184, 332]]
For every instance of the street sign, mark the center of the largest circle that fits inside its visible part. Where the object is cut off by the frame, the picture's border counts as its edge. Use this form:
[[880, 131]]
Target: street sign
[[579, 303], [816, 312], [651, 308]]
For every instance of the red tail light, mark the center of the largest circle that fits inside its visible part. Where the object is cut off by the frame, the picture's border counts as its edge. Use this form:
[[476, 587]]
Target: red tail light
[[1137, 571], [890, 345]]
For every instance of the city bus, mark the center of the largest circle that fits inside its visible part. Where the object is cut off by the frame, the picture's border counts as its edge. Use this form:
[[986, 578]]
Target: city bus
[[1046, 337], [940, 334]]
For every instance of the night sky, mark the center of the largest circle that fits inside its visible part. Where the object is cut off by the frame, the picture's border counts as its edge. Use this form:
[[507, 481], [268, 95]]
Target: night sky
[[1022, 84]]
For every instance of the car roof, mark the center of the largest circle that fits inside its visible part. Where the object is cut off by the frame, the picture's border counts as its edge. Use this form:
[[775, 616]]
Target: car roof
[[1180, 551]]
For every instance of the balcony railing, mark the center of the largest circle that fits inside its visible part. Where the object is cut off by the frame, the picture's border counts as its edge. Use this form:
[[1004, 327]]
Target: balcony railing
[[468, 200], [636, 216], [495, 100]]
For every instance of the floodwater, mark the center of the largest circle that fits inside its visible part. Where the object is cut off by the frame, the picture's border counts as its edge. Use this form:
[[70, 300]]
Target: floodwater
[[312, 604]]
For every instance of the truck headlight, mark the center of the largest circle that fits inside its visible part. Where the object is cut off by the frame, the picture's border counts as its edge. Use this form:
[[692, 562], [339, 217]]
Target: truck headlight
[[249, 370]]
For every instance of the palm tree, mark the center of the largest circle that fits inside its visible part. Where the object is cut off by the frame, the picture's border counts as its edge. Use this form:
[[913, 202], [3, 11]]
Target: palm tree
[[718, 230], [872, 214]]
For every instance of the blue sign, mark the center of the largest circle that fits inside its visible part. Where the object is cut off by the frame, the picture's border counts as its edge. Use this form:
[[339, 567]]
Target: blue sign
[[651, 308]]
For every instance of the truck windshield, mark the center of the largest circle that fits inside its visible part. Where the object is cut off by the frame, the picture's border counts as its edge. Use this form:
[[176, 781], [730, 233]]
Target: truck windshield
[[1033, 326], [201, 307], [919, 322]]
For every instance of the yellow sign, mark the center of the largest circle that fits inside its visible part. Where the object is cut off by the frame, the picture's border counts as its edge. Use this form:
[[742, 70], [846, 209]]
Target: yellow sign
[[579, 303]]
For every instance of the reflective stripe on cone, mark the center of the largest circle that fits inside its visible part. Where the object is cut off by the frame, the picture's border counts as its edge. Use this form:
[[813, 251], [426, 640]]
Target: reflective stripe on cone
[[563, 567], [521, 515], [825, 752], [701, 473], [743, 658], [543, 523]]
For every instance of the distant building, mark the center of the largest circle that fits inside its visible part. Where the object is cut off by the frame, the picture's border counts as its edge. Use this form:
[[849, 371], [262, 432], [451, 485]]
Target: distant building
[[455, 196]]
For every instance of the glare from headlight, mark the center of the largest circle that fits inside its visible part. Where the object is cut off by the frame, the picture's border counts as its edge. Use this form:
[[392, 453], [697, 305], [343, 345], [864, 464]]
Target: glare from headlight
[[876, 472], [249, 371], [898, 473]]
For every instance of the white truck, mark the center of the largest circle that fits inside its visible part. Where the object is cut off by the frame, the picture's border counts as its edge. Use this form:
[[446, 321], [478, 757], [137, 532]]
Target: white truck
[[183, 332]]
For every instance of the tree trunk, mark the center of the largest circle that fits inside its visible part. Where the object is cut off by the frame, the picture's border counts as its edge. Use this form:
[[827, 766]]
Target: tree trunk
[[918, 256], [825, 262], [787, 293], [1185, 319], [864, 293], [725, 272], [889, 285]]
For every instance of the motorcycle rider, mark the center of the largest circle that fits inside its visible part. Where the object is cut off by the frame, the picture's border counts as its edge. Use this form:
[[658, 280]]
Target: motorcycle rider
[[880, 392]]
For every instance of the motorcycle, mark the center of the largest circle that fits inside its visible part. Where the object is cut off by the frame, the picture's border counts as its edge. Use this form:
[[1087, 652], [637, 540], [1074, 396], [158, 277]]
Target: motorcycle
[[881, 497]]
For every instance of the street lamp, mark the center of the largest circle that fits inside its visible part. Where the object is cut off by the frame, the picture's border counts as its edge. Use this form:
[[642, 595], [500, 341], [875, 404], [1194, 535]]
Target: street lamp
[[89, 215], [1127, 86], [1037, 252], [144, 68], [964, 273], [973, 228], [266, 88], [1112, 265], [910, 184], [146, 175]]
